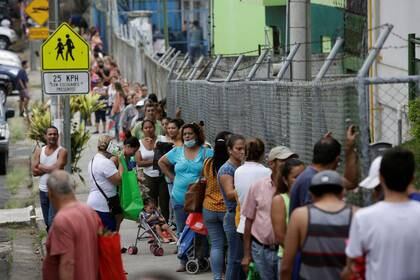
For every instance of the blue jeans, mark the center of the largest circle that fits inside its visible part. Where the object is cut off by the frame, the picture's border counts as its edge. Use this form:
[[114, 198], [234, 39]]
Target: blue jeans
[[180, 218], [48, 211], [214, 223], [235, 249], [266, 261]]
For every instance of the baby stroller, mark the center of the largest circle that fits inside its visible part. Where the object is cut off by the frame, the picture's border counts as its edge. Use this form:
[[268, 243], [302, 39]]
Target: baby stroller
[[155, 242], [194, 249]]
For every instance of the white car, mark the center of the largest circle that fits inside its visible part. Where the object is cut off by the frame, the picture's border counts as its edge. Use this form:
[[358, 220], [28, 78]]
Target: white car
[[7, 37], [9, 58]]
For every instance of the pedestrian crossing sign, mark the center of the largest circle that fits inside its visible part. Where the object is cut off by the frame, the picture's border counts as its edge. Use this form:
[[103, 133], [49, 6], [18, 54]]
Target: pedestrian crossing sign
[[65, 50]]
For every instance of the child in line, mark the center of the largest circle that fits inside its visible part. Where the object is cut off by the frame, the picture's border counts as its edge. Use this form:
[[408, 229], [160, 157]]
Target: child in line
[[156, 221]]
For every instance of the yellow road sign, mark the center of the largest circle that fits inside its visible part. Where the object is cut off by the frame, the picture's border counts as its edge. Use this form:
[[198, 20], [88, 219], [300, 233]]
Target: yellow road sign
[[65, 50], [38, 33], [38, 11]]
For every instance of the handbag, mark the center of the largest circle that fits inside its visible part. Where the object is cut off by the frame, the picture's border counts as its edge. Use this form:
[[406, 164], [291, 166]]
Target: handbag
[[196, 223], [195, 194], [131, 200], [113, 202], [110, 261]]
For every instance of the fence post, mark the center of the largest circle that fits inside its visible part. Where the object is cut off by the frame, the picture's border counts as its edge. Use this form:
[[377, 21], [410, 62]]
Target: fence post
[[288, 61], [172, 70], [183, 68], [164, 55], [411, 65], [257, 65], [168, 56], [213, 67], [331, 56], [235, 67], [174, 58], [196, 66]]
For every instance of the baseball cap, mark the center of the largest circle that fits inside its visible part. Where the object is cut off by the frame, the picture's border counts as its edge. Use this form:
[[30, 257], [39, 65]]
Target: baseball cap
[[372, 180], [326, 178], [280, 152]]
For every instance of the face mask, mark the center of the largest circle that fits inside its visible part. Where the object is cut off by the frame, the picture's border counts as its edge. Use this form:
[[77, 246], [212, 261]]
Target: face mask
[[189, 143]]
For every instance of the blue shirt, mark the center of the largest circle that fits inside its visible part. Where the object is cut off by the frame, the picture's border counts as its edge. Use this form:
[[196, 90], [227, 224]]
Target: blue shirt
[[227, 169], [300, 191], [22, 76], [414, 196], [187, 171]]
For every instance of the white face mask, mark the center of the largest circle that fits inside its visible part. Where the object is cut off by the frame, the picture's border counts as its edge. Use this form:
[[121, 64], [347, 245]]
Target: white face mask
[[190, 143]]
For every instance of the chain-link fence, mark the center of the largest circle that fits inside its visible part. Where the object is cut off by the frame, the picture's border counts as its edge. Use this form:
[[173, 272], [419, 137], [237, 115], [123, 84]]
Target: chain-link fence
[[291, 114]]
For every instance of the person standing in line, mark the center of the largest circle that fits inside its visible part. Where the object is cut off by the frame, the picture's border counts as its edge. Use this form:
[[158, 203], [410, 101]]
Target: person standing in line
[[117, 108], [195, 38], [387, 233], [149, 114], [72, 244], [260, 243], [154, 180], [319, 231], [187, 162], [128, 114], [100, 115], [22, 86], [280, 205], [104, 179], [225, 177], [47, 159], [214, 208]]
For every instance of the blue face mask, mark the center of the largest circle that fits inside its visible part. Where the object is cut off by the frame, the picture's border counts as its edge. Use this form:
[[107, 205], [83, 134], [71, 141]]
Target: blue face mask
[[190, 143]]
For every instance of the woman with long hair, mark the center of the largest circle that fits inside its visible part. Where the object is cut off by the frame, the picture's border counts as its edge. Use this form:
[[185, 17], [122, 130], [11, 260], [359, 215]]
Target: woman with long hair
[[214, 208], [117, 108], [225, 175], [154, 180], [280, 204]]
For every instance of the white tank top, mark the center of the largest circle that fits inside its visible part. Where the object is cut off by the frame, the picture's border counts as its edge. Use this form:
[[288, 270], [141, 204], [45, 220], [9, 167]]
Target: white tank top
[[47, 161], [148, 155]]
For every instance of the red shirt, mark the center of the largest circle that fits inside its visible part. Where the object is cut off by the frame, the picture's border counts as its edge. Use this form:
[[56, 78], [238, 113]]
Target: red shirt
[[74, 233]]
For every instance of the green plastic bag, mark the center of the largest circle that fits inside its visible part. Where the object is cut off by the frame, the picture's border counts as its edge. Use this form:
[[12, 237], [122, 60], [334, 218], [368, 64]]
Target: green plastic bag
[[252, 272], [130, 196]]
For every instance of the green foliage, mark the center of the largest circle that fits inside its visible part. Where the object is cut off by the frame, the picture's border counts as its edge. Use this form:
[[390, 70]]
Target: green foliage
[[39, 121], [17, 129], [85, 105], [414, 117], [15, 179], [79, 139]]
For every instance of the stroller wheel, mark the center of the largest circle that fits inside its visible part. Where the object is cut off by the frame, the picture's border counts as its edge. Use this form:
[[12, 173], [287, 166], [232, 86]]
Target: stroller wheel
[[204, 265], [132, 250], [192, 267], [158, 252], [152, 248]]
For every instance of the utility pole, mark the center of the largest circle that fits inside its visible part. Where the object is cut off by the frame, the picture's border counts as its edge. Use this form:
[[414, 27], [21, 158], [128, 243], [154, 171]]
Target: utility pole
[[165, 23], [300, 32], [52, 25]]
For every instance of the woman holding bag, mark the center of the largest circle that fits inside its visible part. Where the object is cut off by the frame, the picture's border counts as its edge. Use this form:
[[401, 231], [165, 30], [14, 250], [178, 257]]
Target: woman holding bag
[[188, 163], [213, 206]]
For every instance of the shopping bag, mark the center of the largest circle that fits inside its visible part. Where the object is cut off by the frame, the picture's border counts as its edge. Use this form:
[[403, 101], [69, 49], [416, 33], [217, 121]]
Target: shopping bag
[[196, 222], [110, 261], [130, 196], [185, 242], [252, 272]]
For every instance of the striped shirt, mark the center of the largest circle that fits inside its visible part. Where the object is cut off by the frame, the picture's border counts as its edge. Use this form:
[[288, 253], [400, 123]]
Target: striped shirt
[[323, 252]]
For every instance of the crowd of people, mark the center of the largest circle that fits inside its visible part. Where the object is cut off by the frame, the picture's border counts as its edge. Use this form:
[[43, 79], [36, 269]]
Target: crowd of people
[[288, 218]]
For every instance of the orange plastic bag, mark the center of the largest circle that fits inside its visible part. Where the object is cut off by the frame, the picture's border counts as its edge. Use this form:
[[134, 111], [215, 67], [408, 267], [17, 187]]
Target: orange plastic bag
[[196, 223], [110, 261]]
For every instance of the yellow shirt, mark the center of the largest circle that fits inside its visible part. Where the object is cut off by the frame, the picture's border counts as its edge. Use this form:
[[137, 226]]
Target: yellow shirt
[[213, 199]]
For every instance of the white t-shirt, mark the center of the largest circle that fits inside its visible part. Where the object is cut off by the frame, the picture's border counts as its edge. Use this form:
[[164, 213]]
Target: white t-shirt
[[148, 155], [103, 168], [245, 175], [389, 234]]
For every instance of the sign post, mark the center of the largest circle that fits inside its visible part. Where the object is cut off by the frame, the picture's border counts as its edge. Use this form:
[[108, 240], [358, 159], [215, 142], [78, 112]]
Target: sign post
[[65, 71]]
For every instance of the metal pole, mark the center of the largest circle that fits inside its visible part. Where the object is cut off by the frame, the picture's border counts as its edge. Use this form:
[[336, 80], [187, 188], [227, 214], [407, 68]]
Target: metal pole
[[363, 124], [187, 62], [213, 67], [286, 64], [164, 55], [165, 23], [235, 67], [196, 66], [363, 72], [174, 58], [338, 43], [172, 70], [257, 65], [399, 122], [168, 56], [411, 65]]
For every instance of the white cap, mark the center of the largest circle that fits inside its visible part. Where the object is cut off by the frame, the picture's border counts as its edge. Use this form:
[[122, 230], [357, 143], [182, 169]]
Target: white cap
[[372, 181], [140, 103]]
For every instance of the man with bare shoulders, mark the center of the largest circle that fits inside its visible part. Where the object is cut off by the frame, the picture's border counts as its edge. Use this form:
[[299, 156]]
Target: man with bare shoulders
[[47, 159]]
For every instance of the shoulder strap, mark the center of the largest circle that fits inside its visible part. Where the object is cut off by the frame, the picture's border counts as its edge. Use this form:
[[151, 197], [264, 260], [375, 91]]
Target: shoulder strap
[[123, 161], [99, 188]]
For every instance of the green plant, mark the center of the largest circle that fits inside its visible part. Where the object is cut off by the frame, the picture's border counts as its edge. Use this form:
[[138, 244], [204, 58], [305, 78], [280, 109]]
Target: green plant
[[414, 117], [17, 130], [39, 121], [79, 139], [15, 179], [85, 105]]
